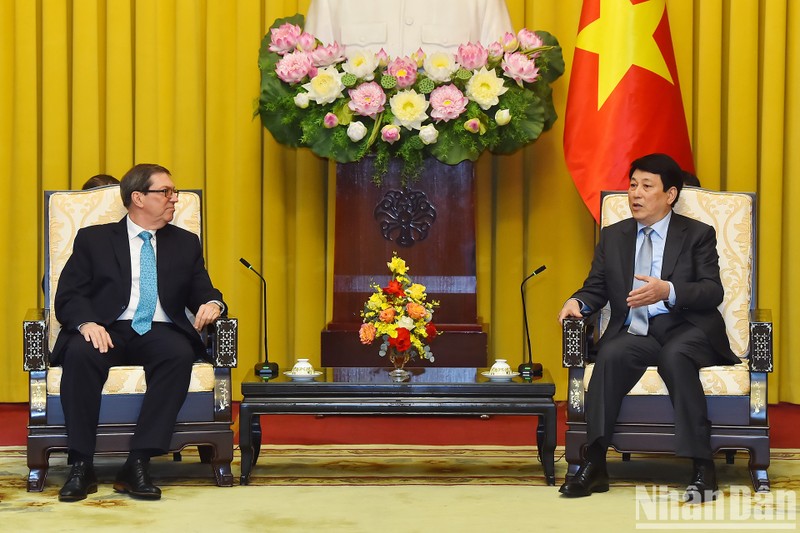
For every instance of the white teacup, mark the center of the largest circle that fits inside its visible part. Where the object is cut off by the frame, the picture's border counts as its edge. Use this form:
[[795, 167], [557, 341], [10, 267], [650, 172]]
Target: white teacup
[[500, 368], [302, 368]]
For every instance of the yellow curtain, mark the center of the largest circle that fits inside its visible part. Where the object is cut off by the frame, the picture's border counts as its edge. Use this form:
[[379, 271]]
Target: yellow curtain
[[89, 86]]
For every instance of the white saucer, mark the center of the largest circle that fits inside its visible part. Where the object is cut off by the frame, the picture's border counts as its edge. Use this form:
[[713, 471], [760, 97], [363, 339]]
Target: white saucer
[[500, 377], [303, 377]]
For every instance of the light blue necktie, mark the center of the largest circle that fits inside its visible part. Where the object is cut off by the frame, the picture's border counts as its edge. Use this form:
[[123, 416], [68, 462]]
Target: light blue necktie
[[148, 287], [640, 322]]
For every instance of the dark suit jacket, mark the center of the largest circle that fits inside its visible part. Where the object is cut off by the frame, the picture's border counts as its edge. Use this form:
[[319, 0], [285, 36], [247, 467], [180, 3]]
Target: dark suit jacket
[[690, 262], [95, 285]]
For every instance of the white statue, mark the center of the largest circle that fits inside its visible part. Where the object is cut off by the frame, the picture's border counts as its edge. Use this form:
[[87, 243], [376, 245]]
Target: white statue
[[401, 27]]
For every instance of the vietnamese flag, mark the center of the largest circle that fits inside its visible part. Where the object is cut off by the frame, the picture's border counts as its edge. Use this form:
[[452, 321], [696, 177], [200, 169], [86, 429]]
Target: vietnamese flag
[[624, 99]]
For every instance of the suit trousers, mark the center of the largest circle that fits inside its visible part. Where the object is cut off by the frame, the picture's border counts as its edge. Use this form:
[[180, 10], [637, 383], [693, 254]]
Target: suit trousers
[[679, 349], [167, 356]]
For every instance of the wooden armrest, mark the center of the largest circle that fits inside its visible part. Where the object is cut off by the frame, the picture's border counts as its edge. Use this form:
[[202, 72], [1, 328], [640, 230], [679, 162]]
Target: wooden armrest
[[761, 358], [575, 346], [223, 342], [34, 341]]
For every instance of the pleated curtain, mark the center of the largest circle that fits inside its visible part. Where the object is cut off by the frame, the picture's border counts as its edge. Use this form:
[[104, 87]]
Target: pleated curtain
[[91, 86]]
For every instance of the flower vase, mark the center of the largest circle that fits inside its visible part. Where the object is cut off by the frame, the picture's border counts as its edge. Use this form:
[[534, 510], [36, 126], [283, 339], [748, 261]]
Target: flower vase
[[399, 360]]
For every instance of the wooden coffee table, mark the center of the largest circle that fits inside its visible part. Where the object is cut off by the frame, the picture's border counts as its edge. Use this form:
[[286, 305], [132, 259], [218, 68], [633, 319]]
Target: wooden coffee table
[[327, 396]]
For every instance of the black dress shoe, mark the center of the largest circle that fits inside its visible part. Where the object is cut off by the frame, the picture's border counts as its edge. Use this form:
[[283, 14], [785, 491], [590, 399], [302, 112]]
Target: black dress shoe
[[703, 486], [135, 480], [81, 481], [589, 478]]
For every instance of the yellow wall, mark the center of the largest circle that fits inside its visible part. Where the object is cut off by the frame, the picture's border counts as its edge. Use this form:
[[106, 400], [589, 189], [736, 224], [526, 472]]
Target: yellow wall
[[89, 86]]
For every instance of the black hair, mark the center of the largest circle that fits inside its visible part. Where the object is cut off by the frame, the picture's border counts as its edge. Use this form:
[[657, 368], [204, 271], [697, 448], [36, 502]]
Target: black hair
[[670, 172]]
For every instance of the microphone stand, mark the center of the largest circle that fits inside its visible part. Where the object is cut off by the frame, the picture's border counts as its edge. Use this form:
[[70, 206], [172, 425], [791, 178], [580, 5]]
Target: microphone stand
[[266, 370], [528, 370]]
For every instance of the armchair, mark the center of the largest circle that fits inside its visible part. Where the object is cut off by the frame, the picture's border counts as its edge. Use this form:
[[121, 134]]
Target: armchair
[[736, 395], [204, 419]]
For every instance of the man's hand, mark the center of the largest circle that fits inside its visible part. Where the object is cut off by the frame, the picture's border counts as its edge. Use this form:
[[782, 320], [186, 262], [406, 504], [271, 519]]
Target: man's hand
[[571, 309], [97, 335], [206, 314], [653, 291]]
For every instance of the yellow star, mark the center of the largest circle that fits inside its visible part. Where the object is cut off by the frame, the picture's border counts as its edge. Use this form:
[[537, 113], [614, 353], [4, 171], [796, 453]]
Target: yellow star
[[623, 37]]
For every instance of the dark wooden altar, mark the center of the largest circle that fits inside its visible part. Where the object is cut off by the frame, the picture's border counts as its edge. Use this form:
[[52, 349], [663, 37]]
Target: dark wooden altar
[[431, 224]]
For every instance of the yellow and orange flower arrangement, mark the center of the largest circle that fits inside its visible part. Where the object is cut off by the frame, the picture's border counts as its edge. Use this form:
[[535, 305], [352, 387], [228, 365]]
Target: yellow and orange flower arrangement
[[399, 314]]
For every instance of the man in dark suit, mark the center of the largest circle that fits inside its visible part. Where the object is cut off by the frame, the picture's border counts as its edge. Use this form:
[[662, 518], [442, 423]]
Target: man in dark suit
[[122, 300], [665, 315]]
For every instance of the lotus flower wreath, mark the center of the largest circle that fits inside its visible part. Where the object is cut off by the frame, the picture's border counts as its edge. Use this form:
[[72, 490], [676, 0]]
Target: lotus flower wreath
[[344, 104]]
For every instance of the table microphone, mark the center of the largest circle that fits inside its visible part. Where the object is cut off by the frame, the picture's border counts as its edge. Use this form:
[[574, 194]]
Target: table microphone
[[529, 369], [265, 369]]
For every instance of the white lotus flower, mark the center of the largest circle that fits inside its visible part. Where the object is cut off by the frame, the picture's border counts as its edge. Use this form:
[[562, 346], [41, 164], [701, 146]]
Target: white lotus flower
[[485, 88], [356, 131], [326, 86], [408, 108], [361, 64], [428, 134]]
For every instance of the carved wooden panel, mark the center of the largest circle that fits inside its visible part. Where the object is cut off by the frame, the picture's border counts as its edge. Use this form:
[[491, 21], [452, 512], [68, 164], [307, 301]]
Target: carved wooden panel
[[430, 223]]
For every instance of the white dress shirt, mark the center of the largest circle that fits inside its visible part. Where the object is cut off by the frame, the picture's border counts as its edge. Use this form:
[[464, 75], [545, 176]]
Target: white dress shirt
[[136, 243]]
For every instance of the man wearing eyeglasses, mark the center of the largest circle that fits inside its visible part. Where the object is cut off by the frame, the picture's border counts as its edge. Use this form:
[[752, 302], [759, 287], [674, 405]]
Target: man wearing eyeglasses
[[122, 300]]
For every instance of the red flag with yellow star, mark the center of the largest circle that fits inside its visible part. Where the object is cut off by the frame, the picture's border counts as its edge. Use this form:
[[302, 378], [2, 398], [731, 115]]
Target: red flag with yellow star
[[624, 99]]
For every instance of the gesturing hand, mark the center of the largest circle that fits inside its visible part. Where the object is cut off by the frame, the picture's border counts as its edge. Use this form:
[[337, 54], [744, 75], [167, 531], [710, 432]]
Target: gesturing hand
[[653, 291]]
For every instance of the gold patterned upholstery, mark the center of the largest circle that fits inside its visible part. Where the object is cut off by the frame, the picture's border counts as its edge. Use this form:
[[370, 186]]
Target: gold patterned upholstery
[[130, 379], [730, 213], [72, 210]]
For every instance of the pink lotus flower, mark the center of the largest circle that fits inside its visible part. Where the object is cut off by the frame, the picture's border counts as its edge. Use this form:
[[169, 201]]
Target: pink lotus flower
[[367, 100], [328, 55], [520, 68], [418, 57], [472, 56], [473, 125], [405, 70], [528, 40], [284, 38], [390, 133], [306, 42], [448, 102], [383, 57], [331, 120], [509, 41], [292, 68], [496, 51]]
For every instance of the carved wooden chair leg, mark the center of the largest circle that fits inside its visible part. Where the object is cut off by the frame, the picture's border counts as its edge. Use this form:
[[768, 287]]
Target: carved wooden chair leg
[[38, 466], [222, 456], [758, 464], [206, 454]]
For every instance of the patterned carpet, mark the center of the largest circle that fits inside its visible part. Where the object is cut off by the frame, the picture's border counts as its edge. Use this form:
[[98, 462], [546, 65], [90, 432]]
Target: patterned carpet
[[393, 488]]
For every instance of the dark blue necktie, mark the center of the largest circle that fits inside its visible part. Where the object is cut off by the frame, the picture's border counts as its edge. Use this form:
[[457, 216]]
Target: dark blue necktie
[[148, 287]]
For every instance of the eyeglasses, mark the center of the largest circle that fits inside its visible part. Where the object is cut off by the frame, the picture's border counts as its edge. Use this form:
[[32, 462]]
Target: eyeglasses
[[168, 193]]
